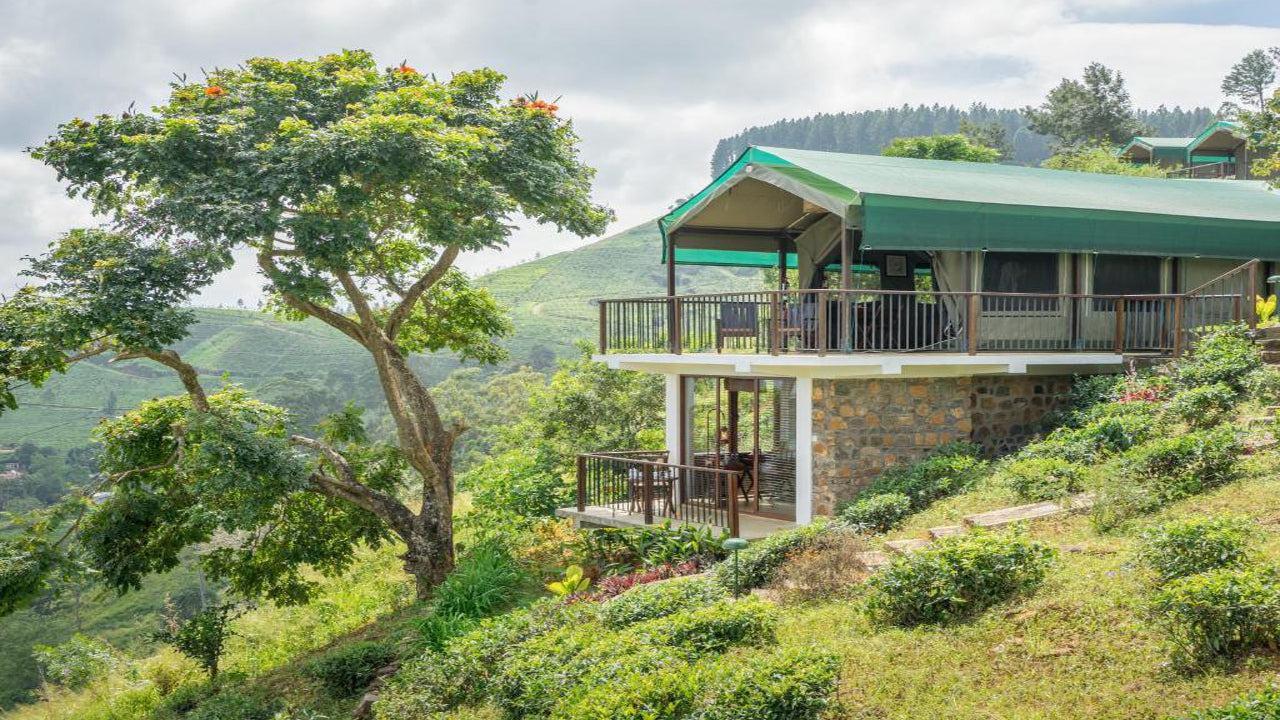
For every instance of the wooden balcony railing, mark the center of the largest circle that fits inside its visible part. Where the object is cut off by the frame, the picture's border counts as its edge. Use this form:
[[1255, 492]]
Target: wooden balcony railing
[[858, 321], [641, 483]]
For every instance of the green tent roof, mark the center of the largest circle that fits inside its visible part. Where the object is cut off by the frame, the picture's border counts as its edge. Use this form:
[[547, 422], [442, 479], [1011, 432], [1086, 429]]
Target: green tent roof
[[905, 203]]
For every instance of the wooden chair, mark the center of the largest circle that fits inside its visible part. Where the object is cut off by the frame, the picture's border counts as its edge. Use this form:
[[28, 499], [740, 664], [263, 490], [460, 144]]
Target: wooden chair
[[737, 319]]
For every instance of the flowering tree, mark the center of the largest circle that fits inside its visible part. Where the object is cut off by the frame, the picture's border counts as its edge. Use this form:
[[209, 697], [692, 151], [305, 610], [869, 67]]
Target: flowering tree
[[349, 186]]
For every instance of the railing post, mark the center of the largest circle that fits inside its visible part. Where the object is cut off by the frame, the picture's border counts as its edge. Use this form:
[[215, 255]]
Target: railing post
[[582, 483], [822, 322], [1250, 307], [673, 326], [646, 492], [775, 336], [733, 504], [975, 307], [1119, 340], [1177, 326], [604, 324]]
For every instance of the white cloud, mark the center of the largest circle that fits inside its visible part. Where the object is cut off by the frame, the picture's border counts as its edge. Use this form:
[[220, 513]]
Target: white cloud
[[651, 86]]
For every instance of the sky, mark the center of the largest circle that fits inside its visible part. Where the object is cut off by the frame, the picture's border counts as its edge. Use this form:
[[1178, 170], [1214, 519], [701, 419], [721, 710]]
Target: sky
[[651, 86]]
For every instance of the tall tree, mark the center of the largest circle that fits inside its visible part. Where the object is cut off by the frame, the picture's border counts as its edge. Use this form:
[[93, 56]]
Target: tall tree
[[1095, 109], [1250, 79], [941, 147], [351, 186]]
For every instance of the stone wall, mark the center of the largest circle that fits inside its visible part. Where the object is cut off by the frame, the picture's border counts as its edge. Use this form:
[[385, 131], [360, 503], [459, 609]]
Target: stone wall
[[862, 426]]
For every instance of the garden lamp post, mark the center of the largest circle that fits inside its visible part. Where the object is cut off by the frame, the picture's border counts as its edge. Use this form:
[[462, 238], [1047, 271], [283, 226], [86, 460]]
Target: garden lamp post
[[735, 544]]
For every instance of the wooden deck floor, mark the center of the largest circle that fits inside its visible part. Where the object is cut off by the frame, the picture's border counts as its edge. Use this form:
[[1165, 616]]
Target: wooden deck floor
[[751, 527]]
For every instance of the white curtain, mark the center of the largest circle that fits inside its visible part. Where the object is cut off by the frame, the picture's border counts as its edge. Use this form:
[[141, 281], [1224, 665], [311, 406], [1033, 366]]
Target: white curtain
[[813, 245], [949, 270]]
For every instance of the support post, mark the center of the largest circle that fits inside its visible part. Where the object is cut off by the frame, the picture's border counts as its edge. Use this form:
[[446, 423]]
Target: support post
[[822, 297], [846, 284], [782, 264], [1250, 307], [734, 530], [1119, 336], [604, 328], [673, 316], [582, 483], [975, 307], [1177, 326], [775, 324], [646, 492], [673, 332]]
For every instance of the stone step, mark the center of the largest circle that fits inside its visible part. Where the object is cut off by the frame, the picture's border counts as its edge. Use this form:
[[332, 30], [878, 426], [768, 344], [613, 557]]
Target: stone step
[[1270, 344], [1034, 511], [947, 531], [1271, 357], [1270, 333], [902, 547], [873, 559]]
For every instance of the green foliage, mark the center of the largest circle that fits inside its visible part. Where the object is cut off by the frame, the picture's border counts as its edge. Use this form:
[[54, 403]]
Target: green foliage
[[1265, 308], [1100, 159], [1226, 355], [710, 628], [348, 669], [759, 563], [573, 582], [657, 600], [1261, 705], [1216, 617], [786, 684], [957, 577], [941, 147], [1180, 548], [203, 636], [1204, 406], [948, 470], [1042, 478], [1251, 79], [484, 582], [233, 705], [75, 663], [1103, 431], [616, 550], [876, 513], [1093, 110]]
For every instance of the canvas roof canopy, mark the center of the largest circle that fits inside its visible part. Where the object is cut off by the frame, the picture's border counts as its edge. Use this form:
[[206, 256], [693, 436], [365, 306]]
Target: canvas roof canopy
[[770, 196], [1148, 149]]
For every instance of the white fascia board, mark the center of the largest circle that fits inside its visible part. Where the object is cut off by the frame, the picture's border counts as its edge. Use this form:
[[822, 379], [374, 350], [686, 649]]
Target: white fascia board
[[867, 364]]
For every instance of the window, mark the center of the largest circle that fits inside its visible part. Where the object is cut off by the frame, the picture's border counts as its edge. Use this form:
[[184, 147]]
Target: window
[[1015, 272], [1125, 275]]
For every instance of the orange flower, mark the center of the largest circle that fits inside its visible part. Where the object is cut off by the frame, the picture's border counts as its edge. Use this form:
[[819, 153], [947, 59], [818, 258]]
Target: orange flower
[[408, 70], [214, 91]]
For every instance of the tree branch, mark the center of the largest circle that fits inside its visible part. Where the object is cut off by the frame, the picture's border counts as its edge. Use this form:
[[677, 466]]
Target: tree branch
[[333, 319], [415, 291], [187, 373], [358, 300]]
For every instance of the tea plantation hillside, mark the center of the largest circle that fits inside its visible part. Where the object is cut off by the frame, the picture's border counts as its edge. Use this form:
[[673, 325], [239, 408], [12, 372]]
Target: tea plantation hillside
[[550, 300]]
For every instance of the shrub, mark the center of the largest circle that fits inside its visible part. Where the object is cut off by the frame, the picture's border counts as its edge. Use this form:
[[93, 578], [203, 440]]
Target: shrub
[[484, 582], [791, 684], [1042, 478], [1216, 617], [1179, 466], [956, 576], [75, 663], [1090, 390], [948, 470], [876, 513], [1262, 705], [622, 550], [203, 637], [232, 705], [1110, 428], [1186, 547], [670, 692], [349, 669], [714, 628], [1203, 406], [656, 600], [831, 566], [1226, 355], [615, 585], [759, 563]]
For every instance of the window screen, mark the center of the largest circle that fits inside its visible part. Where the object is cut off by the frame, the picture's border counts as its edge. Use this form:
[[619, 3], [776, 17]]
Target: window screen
[[1126, 275], [1020, 273]]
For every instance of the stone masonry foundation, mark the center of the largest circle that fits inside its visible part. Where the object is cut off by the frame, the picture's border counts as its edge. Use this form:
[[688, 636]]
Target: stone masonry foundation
[[862, 426]]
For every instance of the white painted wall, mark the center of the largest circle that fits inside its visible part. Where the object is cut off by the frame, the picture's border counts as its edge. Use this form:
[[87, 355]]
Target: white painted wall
[[675, 452], [804, 450]]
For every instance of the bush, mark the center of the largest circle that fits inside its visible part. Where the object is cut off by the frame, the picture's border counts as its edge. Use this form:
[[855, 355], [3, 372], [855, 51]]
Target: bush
[[759, 563], [232, 705], [614, 585], [1203, 406], [947, 471], [75, 663], [1216, 617], [781, 685], [955, 577], [1262, 705], [876, 513], [1186, 547], [647, 602], [484, 582], [1087, 391], [623, 550], [203, 636], [714, 628], [1179, 466], [791, 684], [1042, 478], [1226, 356], [831, 566], [349, 669], [1110, 428]]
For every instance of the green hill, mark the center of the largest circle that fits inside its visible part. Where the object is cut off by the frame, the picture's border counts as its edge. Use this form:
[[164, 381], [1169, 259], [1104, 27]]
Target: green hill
[[550, 301]]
